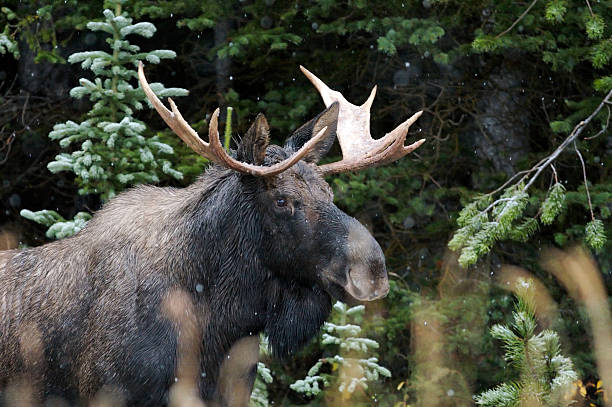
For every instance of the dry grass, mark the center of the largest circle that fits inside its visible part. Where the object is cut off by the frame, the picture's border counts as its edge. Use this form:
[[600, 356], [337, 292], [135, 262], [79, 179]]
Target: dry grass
[[436, 370]]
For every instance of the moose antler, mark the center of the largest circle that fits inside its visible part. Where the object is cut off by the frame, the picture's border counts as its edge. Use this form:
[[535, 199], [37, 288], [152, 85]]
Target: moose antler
[[359, 150], [213, 150]]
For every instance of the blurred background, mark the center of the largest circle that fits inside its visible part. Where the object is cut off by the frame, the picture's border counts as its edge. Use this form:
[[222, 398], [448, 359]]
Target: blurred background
[[508, 174]]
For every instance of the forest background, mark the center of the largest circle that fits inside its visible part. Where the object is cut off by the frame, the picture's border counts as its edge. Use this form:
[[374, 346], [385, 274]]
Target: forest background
[[502, 85]]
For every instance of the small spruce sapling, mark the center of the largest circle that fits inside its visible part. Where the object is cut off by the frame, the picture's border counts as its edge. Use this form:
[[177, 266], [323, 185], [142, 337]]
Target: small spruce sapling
[[543, 372], [343, 337], [110, 149], [259, 395]]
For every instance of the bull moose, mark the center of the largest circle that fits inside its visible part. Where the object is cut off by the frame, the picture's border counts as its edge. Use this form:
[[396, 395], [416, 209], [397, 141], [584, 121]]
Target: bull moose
[[168, 286]]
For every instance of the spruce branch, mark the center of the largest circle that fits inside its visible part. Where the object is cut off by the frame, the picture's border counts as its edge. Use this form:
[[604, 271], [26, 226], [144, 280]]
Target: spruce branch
[[263, 377], [503, 218], [553, 204]]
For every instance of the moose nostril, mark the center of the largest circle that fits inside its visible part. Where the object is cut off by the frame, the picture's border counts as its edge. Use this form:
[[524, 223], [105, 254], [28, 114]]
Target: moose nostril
[[383, 290], [367, 275]]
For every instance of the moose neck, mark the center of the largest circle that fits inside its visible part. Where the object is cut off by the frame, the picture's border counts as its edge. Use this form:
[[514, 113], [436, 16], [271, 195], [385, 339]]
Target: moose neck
[[226, 238], [223, 233], [222, 271]]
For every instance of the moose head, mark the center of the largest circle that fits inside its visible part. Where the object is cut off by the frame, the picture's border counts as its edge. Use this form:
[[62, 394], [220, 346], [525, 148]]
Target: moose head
[[317, 242], [168, 284]]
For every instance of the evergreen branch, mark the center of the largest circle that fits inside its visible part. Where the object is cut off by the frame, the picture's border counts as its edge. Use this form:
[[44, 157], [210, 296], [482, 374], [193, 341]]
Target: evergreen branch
[[543, 372], [495, 203], [553, 204], [478, 233], [504, 395]]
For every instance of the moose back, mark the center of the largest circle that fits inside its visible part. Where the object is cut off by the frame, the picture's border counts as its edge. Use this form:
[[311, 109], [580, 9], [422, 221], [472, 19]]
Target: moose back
[[163, 294]]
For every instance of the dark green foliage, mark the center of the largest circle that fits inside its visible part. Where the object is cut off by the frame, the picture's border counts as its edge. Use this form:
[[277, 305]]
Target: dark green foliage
[[446, 57], [114, 150], [59, 227], [544, 373], [352, 356]]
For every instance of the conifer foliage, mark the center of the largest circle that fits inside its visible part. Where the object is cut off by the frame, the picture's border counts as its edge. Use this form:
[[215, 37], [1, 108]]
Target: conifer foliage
[[487, 220], [110, 150], [543, 372], [259, 396], [353, 360]]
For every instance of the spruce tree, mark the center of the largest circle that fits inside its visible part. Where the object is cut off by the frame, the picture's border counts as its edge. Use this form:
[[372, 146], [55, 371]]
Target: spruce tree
[[352, 355], [543, 372], [111, 149], [259, 396]]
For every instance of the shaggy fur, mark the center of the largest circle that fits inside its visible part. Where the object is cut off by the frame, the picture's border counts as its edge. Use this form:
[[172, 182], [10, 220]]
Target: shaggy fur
[[99, 310]]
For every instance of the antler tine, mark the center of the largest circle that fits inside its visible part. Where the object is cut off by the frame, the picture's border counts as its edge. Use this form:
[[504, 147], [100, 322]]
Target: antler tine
[[174, 119], [359, 149], [213, 150], [328, 95], [258, 170], [368, 103], [189, 135], [398, 135], [392, 149]]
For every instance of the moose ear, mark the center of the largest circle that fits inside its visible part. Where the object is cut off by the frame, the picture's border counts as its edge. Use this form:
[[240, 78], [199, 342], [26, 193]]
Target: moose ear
[[327, 118], [252, 147]]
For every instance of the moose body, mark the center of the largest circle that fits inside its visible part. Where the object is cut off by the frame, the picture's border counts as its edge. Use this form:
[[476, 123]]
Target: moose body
[[96, 298], [165, 285]]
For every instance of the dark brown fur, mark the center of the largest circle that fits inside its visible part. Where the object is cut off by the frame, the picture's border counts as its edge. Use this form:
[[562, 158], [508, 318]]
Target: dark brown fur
[[99, 310]]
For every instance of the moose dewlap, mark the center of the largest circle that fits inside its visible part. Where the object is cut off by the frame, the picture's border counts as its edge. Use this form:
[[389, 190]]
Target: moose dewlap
[[164, 293]]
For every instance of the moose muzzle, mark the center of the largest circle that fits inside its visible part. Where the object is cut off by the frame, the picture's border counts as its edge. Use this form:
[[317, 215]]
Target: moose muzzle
[[366, 276]]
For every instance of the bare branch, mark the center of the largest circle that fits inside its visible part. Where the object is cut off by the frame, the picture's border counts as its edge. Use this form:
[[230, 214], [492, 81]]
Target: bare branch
[[517, 20], [586, 184], [572, 137], [590, 9], [604, 128]]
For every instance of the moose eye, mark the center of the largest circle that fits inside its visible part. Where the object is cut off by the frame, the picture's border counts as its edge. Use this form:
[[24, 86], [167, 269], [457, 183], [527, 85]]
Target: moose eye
[[281, 202]]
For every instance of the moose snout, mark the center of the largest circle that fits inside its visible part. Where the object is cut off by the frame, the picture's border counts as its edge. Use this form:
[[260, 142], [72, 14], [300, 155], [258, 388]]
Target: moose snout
[[366, 278], [363, 287]]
